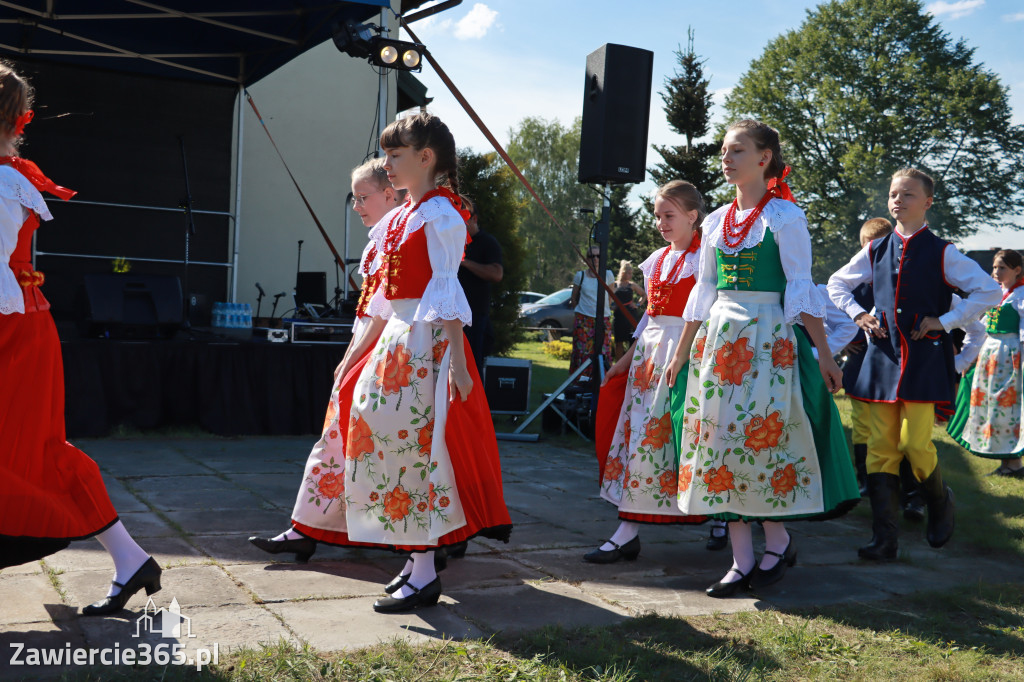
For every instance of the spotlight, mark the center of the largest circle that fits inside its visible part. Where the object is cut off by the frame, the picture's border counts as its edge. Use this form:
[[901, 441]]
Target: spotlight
[[359, 40], [396, 54]]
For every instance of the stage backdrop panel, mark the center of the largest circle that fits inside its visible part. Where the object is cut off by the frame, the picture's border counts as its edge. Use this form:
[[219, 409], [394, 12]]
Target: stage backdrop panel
[[114, 137]]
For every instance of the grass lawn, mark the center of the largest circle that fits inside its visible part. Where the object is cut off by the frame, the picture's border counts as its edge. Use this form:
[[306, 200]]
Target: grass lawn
[[973, 633]]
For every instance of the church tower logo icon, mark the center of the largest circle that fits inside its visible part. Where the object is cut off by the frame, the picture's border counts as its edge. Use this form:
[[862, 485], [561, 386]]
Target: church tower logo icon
[[168, 622]]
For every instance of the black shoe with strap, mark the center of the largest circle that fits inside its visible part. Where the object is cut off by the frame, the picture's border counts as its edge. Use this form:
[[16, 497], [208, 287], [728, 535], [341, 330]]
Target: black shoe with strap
[[717, 541], [761, 577], [147, 577], [721, 590], [884, 493], [421, 596], [303, 547], [629, 551]]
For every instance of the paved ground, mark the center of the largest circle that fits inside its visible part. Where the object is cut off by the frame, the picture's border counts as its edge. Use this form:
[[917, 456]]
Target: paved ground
[[193, 503]]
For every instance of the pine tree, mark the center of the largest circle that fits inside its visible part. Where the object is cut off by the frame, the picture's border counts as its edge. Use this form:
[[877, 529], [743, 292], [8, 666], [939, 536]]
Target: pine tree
[[688, 110]]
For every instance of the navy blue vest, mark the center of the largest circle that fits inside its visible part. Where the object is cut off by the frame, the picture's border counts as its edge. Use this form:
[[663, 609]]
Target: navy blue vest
[[909, 284], [865, 297]]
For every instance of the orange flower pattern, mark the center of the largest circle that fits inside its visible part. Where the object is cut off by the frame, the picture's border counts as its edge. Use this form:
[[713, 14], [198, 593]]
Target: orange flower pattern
[[658, 432], [393, 372], [425, 437], [732, 361], [360, 438], [396, 503], [763, 433], [331, 486], [746, 445], [644, 376], [994, 406]]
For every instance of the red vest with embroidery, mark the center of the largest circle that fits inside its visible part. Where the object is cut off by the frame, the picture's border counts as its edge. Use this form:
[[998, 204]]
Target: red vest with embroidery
[[675, 296], [21, 264], [407, 271], [370, 284]]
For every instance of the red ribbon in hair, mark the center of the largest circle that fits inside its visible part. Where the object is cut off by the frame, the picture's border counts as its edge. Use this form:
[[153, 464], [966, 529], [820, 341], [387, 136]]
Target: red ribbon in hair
[[779, 188], [22, 121], [35, 176]]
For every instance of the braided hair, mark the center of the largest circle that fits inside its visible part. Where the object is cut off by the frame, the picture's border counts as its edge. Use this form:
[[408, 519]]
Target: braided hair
[[424, 131]]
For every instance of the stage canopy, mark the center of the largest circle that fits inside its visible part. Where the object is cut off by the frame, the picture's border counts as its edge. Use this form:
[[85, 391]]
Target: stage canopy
[[215, 41]]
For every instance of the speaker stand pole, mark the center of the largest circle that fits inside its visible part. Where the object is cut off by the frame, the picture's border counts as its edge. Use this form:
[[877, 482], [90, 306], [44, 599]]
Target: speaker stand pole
[[601, 237], [518, 434], [190, 230]]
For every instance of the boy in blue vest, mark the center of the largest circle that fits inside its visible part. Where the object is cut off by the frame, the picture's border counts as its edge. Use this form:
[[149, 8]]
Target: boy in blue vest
[[908, 365]]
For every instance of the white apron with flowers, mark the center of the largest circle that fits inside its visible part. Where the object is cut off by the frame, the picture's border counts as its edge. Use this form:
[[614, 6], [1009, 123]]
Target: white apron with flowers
[[747, 446], [641, 470], [394, 484], [993, 425]]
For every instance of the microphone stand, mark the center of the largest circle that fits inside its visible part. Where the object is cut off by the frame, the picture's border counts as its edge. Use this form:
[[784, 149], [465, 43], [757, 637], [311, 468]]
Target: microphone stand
[[277, 297], [190, 228], [259, 299]]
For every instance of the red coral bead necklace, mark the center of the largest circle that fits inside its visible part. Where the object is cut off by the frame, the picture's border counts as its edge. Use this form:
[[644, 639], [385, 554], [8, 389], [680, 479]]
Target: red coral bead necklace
[[734, 233]]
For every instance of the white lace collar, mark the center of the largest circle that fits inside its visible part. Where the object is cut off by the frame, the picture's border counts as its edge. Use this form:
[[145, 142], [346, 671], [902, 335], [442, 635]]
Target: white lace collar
[[430, 209], [776, 214], [15, 186], [689, 268]]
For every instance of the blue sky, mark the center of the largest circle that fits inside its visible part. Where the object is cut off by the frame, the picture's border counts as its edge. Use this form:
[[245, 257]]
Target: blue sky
[[519, 58]]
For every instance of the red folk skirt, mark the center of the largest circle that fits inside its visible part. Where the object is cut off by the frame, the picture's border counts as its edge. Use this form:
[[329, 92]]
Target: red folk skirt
[[52, 492]]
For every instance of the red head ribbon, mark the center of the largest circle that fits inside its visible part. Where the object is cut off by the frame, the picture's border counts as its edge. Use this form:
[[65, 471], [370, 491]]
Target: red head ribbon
[[22, 121], [35, 176], [779, 188]]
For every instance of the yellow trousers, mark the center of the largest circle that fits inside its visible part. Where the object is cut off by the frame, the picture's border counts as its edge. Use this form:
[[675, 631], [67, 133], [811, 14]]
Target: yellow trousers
[[861, 421], [912, 421]]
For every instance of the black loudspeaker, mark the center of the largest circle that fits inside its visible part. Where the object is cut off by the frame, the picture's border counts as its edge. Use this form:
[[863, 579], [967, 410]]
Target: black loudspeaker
[[310, 287], [130, 306], [616, 111]]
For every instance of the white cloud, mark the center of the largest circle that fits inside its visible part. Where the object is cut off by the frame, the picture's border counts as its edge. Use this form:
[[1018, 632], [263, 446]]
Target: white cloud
[[955, 10], [476, 23], [1019, 16]]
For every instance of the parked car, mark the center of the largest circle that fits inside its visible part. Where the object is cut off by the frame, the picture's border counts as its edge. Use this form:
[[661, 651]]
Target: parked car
[[526, 297], [551, 312]]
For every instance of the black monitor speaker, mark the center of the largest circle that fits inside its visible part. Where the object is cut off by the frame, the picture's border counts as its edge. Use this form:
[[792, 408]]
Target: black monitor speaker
[[616, 111], [131, 306], [310, 287]]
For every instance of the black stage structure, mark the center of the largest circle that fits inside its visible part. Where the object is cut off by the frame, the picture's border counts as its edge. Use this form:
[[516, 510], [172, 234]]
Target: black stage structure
[[132, 93]]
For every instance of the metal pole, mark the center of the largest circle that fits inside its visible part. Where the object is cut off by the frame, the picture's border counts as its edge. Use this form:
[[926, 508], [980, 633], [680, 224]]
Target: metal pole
[[382, 94], [348, 216], [238, 194], [601, 237]]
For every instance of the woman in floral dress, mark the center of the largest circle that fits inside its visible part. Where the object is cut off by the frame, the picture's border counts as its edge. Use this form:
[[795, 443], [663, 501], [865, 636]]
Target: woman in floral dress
[[987, 420], [760, 436], [636, 450], [421, 467], [372, 198]]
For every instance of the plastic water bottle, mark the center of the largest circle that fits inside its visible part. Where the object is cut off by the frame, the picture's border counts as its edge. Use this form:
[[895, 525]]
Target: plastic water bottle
[[218, 314]]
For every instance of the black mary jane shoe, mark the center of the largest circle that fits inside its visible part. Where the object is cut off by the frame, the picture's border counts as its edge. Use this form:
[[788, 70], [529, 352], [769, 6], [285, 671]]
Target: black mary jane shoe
[[423, 596], [763, 578], [398, 581], [629, 551], [718, 542], [722, 590], [147, 577], [303, 547]]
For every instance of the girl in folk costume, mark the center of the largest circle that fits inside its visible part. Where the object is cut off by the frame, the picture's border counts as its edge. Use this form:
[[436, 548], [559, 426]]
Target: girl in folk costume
[[989, 402], [759, 434], [421, 467], [636, 452], [52, 492], [372, 198]]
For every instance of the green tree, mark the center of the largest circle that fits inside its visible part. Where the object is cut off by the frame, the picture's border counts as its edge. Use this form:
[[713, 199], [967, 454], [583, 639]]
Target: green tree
[[687, 105], [864, 87], [491, 185], [547, 152]]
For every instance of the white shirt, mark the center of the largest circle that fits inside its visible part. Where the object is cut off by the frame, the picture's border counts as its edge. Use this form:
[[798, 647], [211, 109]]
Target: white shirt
[[976, 333], [788, 224], [587, 304], [958, 270], [840, 330], [17, 197], [688, 269]]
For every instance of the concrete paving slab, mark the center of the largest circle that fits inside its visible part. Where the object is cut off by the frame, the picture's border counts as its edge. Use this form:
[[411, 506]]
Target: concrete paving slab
[[478, 572], [537, 536], [146, 525], [24, 599], [568, 565], [31, 568], [517, 608], [675, 596], [279, 489], [150, 462], [174, 483], [241, 521], [228, 500], [234, 466], [192, 586], [328, 625], [39, 636], [123, 500], [89, 555], [282, 582]]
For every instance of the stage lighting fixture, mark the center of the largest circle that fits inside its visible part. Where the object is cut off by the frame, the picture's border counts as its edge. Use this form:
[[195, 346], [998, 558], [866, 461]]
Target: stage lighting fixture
[[359, 40]]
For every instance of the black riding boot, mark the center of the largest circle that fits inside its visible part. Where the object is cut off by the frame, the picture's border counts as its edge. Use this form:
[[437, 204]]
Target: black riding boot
[[884, 492], [860, 463], [911, 493], [940, 509]]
